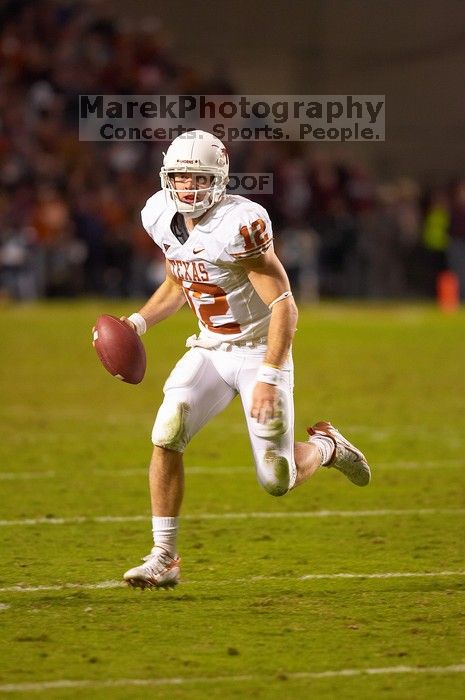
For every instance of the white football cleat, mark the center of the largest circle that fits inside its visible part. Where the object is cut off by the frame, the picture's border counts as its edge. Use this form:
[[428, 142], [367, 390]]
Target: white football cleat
[[159, 570], [347, 458]]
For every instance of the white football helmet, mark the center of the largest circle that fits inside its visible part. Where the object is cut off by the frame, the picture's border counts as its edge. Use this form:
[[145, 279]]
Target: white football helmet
[[200, 153]]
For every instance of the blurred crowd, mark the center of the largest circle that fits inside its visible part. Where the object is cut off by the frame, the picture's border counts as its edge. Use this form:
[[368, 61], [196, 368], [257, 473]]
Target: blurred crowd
[[70, 210]]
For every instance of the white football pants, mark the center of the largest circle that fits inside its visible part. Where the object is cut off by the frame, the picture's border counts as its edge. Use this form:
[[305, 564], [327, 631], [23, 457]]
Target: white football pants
[[204, 382]]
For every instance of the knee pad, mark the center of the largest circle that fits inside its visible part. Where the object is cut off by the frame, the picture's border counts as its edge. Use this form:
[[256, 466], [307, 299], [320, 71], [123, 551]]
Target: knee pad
[[275, 472], [170, 428]]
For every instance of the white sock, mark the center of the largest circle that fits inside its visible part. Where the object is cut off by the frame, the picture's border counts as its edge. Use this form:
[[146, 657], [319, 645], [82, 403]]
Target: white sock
[[164, 533], [325, 446]]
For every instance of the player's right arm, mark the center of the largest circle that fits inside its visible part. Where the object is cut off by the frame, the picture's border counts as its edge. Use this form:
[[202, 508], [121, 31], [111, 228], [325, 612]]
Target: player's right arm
[[164, 302]]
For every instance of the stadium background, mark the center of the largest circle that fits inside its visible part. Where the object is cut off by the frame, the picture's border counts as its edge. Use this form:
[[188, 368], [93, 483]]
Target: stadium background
[[366, 221]]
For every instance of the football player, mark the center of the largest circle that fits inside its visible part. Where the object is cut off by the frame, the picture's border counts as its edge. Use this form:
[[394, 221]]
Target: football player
[[220, 260]]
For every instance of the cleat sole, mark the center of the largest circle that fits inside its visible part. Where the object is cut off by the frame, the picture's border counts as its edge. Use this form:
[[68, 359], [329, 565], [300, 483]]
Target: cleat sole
[[138, 583]]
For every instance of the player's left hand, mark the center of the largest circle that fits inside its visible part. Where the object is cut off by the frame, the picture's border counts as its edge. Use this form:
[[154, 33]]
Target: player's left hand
[[264, 402]]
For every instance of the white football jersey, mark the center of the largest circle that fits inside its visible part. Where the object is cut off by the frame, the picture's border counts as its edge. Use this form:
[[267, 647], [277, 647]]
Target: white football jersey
[[207, 264]]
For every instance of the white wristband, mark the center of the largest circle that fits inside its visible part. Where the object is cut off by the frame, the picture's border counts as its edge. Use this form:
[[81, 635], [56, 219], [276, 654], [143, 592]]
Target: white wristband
[[139, 321], [268, 374]]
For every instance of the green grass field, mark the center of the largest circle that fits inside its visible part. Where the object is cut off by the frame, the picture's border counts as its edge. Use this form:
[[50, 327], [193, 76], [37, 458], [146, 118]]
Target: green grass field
[[329, 592]]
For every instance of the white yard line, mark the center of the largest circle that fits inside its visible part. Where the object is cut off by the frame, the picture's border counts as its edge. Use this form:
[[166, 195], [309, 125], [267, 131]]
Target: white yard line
[[61, 587], [199, 470], [79, 519], [22, 588], [25, 476], [427, 464], [188, 470], [245, 678]]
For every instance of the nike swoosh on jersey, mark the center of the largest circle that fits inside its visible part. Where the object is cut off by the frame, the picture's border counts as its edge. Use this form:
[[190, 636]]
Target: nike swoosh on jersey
[[197, 250]]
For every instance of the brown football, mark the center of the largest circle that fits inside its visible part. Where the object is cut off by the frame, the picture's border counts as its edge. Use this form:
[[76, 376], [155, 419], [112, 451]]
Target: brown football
[[120, 349]]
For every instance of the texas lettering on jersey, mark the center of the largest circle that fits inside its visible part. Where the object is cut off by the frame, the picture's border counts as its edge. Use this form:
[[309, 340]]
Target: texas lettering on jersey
[[188, 270], [208, 263]]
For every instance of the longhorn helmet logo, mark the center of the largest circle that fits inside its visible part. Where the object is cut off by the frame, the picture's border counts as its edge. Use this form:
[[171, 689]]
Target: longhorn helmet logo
[[222, 157]]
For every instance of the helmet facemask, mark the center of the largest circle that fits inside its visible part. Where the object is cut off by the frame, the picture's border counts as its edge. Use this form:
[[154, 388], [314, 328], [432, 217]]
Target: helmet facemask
[[209, 195]]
